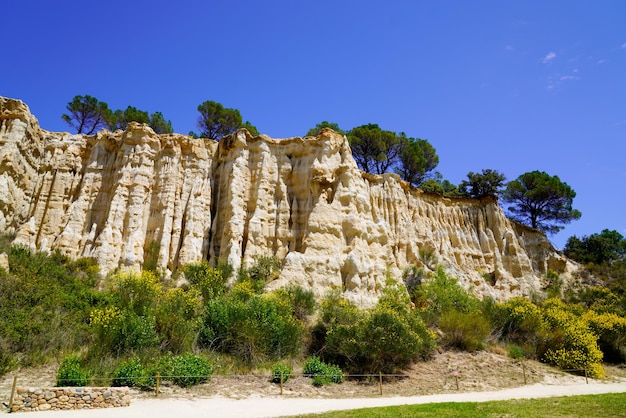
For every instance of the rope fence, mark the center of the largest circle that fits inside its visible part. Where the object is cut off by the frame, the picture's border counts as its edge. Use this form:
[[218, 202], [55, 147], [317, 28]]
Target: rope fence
[[372, 378]]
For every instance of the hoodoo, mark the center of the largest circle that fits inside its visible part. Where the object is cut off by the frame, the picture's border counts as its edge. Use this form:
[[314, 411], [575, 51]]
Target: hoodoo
[[115, 196]]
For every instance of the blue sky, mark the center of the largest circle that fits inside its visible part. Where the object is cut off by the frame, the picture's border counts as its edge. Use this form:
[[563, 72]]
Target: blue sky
[[514, 86]]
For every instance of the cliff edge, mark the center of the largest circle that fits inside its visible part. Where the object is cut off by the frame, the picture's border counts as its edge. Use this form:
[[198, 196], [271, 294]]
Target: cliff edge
[[115, 196]]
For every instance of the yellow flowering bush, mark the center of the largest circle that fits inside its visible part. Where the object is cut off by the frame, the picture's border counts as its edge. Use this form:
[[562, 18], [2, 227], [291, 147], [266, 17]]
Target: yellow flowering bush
[[178, 318], [569, 342], [611, 332], [137, 292]]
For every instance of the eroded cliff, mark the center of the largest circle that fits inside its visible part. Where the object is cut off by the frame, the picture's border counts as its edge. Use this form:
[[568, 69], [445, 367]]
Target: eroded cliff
[[118, 195]]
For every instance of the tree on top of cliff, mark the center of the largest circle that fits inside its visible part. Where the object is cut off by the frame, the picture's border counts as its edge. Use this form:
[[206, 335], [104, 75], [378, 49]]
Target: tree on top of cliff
[[131, 114], [324, 124], [87, 114], [374, 150], [541, 201], [217, 121], [417, 158], [251, 128], [486, 183]]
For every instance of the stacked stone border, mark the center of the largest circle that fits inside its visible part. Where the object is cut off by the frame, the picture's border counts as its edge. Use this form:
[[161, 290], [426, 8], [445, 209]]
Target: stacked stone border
[[68, 398]]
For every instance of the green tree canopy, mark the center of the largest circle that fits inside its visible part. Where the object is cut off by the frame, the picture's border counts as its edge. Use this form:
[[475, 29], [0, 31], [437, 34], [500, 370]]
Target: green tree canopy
[[606, 246], [251, 128], [324, 124], [417, 158], [217, 121], [486, 183], [131, 114], [87, 114], [159, 124], [374, 150], [541, 201]]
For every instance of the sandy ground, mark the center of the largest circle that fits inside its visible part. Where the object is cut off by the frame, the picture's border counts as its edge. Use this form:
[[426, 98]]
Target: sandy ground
[[279, 407]]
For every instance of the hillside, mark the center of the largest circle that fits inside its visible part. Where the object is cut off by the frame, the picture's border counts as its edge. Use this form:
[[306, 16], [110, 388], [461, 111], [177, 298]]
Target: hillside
[[129, 197]]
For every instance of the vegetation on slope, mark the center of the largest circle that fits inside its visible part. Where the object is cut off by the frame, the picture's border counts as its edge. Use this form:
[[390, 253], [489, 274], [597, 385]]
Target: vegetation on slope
[[137, 325]]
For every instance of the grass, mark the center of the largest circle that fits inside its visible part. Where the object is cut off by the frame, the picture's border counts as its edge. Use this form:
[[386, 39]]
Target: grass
[[588, 406]]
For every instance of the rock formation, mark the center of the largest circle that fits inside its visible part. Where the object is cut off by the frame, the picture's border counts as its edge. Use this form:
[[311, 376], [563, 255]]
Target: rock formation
[[117, 196]]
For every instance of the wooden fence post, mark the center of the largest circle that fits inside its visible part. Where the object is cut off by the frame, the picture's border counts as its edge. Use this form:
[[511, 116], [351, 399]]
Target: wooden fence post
[[12, 393], [156, 386], [281, 382], [380, 382], [524, 371]]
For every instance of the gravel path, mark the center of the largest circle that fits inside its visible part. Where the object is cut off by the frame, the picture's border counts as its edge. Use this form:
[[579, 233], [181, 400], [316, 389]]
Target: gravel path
[[277, 407]]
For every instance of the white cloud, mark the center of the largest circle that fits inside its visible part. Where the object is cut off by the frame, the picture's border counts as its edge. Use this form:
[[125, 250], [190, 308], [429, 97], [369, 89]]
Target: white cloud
[[624, 45], [568, 77], [509, 48], [600, 62], [549, 57]]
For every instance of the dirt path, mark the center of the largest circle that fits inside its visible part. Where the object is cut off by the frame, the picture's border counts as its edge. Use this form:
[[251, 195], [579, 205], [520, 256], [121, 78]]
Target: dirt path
[[482, 376], [280, 407]]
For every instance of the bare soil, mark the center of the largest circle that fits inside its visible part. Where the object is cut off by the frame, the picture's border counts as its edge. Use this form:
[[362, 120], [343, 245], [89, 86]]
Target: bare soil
[[481, 371]]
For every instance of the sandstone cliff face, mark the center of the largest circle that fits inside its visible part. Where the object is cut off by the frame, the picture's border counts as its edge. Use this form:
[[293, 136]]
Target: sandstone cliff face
[[114, 196]]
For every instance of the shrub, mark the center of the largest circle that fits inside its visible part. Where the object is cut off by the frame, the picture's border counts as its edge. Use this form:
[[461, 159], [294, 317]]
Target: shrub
[[138, 293], [190, 369], [322, 373], [569, 343], [515, 352], [281, 371], [178, 319], [520, 321], [71, 373], [7, 361], [265, 269], [441, 294], [119, 331], [130, 373], [210, 281], [44, 305], [253, 329], [313, 366], [465, 331], [611, 332], [301, 301], [380, 340]]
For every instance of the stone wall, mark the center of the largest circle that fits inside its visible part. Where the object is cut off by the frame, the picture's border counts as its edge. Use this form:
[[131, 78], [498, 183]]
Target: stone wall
[[52, 399]]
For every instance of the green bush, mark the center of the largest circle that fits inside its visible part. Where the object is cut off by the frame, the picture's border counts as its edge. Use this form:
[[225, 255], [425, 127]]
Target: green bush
[[301, 301], [383, 339], [521, 322], [190, 370], [253, 329], [264, 270], [441, 294], [281, 371], [464, 331], [322, 373], [313, 366], [120, 331], [8, 361], [515, 352], [45, 301], [130, 373], [178, 319], [209, 280], [71, 373]]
